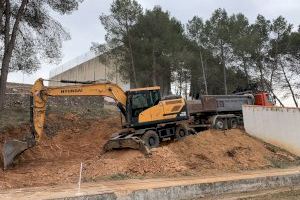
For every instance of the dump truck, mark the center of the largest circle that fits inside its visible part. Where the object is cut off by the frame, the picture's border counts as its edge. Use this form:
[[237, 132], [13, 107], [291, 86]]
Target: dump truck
[[223, 111]]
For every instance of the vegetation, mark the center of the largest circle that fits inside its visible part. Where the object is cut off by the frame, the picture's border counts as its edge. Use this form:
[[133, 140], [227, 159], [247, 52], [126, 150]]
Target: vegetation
[[29, 34], [214, 56], [219, 55]]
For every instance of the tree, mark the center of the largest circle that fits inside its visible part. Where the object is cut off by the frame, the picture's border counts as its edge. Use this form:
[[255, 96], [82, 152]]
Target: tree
[[196, 32], [283, 61], [239, 40], [218, 41], [123, 16], [28, 34], [259, 45], [158, 40]]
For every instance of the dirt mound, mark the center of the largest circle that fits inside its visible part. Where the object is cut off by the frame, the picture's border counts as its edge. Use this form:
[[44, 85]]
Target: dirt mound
[[74, 140]]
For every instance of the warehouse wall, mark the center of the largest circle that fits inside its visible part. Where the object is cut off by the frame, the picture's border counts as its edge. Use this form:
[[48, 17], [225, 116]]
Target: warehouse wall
[[276, 125], [92, 69]]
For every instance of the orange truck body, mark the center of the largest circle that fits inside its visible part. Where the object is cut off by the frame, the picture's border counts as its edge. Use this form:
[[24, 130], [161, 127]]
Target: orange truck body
[[263, 99]]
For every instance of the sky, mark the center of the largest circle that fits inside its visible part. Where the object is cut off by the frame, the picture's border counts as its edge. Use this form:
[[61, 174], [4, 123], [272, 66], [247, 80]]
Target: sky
[[85, 27]]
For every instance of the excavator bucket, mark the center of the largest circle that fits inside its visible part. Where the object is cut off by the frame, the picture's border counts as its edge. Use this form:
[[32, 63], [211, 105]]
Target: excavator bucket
[[12, 149], [127, 141]]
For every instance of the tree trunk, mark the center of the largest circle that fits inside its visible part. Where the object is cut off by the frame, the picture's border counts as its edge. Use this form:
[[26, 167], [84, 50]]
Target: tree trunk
[[9, 44], [289, 85], [1, 15], [224, 70], [186, 88], [276, 97], [204, 74], [154, 80], [270, 85], [132, 63], [168, 83], [180, 83], [259, 65], [3, 79], [246, 71]]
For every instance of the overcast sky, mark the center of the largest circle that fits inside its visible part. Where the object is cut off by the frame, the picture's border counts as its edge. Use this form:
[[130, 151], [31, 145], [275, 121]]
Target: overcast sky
[[85, 27]]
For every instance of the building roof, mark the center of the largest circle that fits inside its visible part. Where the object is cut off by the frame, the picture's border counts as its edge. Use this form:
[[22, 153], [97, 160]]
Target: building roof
[[73, 63]]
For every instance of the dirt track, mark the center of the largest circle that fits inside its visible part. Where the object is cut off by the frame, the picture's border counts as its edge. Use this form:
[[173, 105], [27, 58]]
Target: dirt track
[[56, 160]]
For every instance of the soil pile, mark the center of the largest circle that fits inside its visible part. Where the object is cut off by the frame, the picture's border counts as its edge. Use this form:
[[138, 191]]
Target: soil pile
[[72, 139]]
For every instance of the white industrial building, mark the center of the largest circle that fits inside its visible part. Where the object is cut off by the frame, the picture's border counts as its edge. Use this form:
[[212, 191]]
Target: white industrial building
[[87, 67]]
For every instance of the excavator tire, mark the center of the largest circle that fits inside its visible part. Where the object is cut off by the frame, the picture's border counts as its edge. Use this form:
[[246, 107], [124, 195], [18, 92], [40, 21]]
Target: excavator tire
[[181, 132], [151, 139]]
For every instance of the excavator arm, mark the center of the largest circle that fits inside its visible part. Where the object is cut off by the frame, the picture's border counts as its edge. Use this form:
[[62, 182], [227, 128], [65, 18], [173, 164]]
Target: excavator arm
[[40, 94], [39, 97]]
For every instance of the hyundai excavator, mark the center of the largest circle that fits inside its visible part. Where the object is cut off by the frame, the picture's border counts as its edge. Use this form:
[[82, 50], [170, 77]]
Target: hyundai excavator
[[148, 118]]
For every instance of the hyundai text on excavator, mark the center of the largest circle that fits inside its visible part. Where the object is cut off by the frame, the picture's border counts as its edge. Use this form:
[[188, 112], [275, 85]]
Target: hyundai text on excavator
[[148, 118]]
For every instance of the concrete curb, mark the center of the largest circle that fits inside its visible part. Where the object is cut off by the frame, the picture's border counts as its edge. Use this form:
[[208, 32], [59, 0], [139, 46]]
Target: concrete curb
[[165, 188], [216, 188]]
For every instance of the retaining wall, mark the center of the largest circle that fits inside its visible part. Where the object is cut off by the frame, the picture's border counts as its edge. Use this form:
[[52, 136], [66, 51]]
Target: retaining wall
[[276, 125], [14, 100], [18, 96]]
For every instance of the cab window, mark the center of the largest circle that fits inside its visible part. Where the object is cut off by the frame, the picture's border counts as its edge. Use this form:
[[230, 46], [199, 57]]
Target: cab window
[[270, 98], [155, 96], [140, 101]]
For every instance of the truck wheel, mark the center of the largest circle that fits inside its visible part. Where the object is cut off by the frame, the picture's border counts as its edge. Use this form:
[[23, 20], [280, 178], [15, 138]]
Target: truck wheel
[[219, 124], [151, 139], [181, 132], [233, 123]]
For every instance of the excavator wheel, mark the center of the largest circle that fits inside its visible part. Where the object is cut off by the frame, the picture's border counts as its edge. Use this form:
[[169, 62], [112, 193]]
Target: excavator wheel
[[181, 132], [151, 139]]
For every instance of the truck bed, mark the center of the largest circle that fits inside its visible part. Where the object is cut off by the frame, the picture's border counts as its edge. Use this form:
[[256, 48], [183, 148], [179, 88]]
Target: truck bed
[[219, 103]]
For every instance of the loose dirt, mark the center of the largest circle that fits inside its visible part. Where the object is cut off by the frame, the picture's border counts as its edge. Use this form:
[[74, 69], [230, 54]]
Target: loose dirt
[[72, 139]]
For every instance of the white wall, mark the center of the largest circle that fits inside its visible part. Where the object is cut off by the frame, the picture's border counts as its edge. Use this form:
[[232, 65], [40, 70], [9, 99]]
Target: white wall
[[276, 125]]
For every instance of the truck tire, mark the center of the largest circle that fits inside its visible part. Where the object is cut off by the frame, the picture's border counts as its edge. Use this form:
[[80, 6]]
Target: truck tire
[[233, 123], [151, 139], [219, 124], [181, 132]]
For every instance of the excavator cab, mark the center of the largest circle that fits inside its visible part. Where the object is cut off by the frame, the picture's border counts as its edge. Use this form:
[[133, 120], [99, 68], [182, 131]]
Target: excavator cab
[[139, 100]]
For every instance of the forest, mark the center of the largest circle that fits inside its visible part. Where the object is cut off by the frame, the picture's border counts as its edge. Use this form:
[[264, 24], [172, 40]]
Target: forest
[[219, 55]]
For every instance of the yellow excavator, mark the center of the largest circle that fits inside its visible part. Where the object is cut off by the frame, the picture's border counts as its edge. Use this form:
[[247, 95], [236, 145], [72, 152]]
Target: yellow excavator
[[149, 119]]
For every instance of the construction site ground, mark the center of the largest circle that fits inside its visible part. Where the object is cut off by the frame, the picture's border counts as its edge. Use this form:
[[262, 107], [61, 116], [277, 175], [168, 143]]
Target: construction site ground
[[72, 138]]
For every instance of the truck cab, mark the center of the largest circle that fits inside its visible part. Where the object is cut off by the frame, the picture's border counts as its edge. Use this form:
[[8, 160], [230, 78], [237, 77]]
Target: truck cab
[[264, 99]]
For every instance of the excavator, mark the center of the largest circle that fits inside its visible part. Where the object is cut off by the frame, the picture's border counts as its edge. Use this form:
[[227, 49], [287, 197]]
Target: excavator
[[149, 119]]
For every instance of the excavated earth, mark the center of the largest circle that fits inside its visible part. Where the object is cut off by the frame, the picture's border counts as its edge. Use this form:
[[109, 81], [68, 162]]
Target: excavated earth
[[72, 139]]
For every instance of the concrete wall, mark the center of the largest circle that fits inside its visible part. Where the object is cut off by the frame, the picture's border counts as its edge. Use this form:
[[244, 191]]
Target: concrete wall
[[276, 125], [92, 69]]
